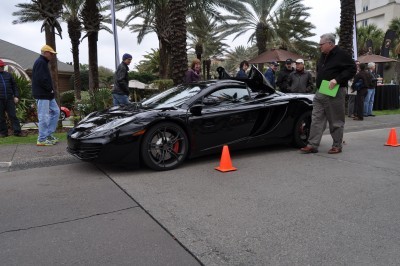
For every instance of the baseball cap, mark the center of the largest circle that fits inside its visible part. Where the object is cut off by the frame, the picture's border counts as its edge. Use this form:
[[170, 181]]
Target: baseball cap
[[289, 61], [274, 63], [300, 61], [2, 63], [47, 48]]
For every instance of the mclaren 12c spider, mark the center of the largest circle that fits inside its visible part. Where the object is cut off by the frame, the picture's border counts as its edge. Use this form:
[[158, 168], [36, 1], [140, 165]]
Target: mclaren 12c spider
[[192, 120]]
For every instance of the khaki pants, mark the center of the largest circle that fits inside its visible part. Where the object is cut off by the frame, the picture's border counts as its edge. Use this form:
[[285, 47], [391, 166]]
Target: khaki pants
[[328, 109]]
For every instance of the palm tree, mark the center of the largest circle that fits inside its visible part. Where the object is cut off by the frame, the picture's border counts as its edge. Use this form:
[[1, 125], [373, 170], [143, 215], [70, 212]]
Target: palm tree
[[206, 38], [395, 26], [150, 63], [177, 19], [237, 55], [91, 18], [48, 11], [369, 32], [155, 15], [71, 12], [347, 12], [273, 23]]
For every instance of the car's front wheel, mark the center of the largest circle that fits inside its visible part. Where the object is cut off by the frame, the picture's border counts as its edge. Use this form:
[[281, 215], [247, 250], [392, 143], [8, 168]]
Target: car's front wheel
[[302, 130], [165, 146]]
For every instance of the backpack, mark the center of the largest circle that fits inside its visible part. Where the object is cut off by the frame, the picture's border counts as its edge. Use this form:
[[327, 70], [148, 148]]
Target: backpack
[[358, 85]]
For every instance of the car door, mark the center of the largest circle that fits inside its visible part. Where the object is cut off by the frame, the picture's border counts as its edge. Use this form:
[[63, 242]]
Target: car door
[[227, 117]]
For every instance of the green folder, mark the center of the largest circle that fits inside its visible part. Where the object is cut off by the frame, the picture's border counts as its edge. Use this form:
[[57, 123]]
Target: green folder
[[324, 89]]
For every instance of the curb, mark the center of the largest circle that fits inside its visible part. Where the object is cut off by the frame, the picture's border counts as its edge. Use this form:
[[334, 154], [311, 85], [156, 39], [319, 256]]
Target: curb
[[37, 163]]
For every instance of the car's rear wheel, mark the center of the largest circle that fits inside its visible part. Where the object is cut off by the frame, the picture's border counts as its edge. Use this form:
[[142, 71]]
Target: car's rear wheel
[[302, 130], [164, 146], [63, 115]]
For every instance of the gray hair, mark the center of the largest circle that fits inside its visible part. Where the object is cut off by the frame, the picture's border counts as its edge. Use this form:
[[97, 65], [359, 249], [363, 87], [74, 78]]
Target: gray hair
[[329, 37], [371, 64]]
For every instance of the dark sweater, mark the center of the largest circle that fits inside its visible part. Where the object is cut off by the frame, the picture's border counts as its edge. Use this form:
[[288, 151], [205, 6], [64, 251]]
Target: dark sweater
[[8, 87], [42, 84], [337, 64]]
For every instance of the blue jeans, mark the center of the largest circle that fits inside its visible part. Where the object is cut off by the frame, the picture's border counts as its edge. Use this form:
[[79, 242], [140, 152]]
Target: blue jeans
[[369, 102], [48, 115], [119, 99]]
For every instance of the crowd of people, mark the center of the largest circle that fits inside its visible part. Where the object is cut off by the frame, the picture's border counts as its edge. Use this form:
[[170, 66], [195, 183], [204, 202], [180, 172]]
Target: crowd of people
[[334, 66]]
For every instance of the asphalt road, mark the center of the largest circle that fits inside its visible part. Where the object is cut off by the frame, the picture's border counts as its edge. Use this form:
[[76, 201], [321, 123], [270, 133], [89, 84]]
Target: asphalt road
[[279, 208]]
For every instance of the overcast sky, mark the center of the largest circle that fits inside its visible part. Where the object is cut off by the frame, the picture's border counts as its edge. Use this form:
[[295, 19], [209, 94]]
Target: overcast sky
[[325, 15]]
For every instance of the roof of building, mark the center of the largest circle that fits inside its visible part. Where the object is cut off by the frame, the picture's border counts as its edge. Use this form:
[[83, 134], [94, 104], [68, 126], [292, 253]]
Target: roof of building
[[26, 58]]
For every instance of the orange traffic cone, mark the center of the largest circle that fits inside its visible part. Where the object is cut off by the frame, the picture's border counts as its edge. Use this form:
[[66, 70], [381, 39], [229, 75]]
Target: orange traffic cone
[[392, 139], [226, 163]]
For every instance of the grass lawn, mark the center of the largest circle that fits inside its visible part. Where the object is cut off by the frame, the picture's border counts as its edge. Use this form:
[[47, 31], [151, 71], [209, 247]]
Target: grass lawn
[[387, 112], [30, 139]]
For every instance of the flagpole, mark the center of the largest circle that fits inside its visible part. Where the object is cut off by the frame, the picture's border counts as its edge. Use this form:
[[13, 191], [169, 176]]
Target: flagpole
[[115, 35], [355, 50]]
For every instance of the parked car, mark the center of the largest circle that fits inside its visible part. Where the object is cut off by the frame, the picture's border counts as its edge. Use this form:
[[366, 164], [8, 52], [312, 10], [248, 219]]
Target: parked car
[[64, 113], [32, 113], [192, 120]]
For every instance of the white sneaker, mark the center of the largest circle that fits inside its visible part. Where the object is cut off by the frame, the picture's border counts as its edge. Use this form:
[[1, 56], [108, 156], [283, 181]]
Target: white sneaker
[[46, 142]]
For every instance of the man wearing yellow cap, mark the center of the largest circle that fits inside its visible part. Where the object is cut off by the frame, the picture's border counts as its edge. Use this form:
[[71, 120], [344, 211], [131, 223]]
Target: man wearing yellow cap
[[42, 90]]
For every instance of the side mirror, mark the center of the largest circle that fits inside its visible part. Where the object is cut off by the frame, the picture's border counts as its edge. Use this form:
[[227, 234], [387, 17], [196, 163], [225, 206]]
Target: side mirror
[[196, 109]]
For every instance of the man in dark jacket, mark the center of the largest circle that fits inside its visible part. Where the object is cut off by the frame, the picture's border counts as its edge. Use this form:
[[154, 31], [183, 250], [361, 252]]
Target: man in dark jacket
[[337, 67], [42, 90], [300, 81], [8, 99], [282, 80], [120, 92]]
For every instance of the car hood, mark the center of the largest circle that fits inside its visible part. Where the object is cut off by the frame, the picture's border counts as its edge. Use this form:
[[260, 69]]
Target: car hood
[[111, 120]]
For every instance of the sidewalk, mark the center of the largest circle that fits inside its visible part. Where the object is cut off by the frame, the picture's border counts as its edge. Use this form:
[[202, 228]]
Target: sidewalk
[[25, 156]]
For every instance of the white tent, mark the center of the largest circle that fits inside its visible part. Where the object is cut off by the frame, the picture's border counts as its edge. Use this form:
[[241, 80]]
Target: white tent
[[135, 84], [14, 67]]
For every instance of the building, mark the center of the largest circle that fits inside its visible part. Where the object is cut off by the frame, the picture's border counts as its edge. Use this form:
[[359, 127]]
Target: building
[[26, 58], [378, 12]]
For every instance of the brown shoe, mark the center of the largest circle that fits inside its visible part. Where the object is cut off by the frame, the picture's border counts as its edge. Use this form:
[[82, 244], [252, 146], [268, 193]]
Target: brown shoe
[[308, 149], [358, 119], [335, 150]]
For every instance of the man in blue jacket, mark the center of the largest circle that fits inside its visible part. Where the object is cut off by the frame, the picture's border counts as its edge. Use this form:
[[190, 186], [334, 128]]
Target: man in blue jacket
[[8, 99], [42, 90]]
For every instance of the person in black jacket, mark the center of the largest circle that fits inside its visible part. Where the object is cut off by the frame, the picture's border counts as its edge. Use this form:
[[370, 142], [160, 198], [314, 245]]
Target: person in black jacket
[[337, 67], [283, 76], [361, 93], [42, 90], [8, 99], [120, 92]]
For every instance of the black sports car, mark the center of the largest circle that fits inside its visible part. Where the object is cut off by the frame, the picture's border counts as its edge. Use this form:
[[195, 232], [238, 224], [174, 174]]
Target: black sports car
[[191, 120]]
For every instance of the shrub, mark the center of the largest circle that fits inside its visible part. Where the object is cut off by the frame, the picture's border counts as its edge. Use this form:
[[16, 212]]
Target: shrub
[[67, 99], [99, 100], [164, 84]]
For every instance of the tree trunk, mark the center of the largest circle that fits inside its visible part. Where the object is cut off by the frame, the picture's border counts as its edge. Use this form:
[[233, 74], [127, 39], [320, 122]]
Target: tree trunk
[[347, 12], [93, 62], [177, 20]]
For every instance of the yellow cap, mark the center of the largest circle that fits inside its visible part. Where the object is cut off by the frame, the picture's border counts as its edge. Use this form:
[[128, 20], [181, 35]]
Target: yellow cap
[[47, 48]]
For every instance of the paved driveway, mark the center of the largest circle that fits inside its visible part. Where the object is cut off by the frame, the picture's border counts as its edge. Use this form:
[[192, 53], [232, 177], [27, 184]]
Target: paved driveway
[[282, 207]]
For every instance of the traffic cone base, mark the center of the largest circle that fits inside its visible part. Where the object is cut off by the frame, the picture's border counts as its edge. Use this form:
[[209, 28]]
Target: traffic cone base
[[392, 139], [226, 163]]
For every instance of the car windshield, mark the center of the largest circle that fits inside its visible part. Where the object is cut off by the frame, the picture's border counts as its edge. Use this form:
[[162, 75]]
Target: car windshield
[[173, 97]]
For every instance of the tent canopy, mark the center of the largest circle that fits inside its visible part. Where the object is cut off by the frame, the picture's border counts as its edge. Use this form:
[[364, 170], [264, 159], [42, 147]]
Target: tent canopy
[[275, 55], [135, 84], [14, 67], [374, 58]]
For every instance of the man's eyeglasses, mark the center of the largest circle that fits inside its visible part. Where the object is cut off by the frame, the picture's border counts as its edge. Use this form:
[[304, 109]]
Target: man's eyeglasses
[[322, 43]]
